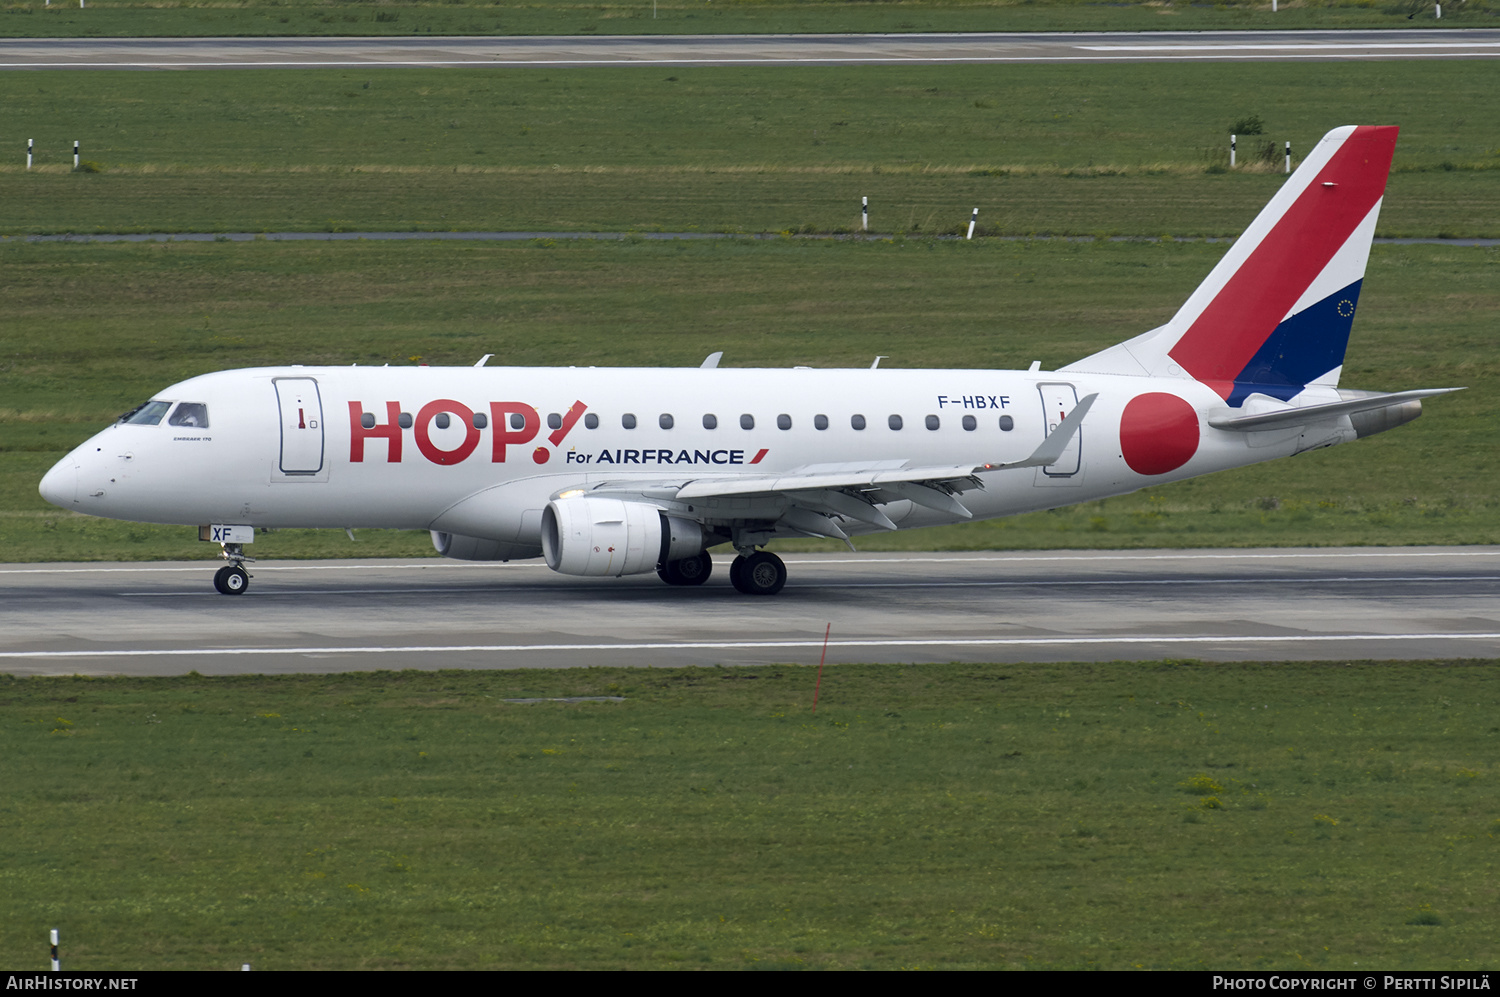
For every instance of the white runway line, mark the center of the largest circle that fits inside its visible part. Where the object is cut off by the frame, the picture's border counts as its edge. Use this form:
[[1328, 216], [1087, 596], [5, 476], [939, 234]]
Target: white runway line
[[1166, 53], [748, 645]]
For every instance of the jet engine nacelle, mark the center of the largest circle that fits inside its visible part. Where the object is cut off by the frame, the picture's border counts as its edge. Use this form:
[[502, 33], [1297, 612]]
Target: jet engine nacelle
[[605, 536]]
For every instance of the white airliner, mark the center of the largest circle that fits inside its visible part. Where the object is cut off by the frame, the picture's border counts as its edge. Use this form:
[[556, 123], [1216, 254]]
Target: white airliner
[[624, 471]]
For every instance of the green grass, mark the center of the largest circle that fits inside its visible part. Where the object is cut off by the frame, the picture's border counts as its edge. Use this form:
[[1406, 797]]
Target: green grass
[[1059, 149], [148, 18], [1167, 815], [94, 329]]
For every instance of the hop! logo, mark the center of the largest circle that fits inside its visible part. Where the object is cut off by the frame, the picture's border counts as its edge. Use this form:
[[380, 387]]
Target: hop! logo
[[508, 424]]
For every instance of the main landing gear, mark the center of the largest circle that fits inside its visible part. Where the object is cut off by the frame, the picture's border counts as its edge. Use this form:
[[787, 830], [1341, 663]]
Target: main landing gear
[[760, 573], [233, 579]]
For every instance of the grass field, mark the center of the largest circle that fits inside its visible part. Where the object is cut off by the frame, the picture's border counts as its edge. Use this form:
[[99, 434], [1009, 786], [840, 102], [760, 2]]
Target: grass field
[[1166, 815], [1133, 149], [151, 18], [95, 329], [1040, 149]]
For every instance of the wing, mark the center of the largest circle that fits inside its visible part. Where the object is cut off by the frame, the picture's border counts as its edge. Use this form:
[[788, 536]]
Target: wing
[[820, 499]]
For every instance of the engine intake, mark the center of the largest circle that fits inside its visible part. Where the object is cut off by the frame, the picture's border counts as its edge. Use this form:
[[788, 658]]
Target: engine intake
[[605, 536]]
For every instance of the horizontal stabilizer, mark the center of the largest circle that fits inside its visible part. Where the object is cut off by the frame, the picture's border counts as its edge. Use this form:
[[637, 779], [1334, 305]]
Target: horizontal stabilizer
[[1317, 413]]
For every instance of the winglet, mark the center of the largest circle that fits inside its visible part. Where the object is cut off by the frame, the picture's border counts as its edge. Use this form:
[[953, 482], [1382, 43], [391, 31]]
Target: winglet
[[1051, 450], [711, 361]]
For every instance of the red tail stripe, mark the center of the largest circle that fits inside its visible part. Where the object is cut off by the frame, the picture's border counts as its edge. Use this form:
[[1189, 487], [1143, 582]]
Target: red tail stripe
[[1258, 296]]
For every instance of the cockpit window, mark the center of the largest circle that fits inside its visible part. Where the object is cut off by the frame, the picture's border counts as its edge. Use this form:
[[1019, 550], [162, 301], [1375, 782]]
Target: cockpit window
[[191, 414], [148, 414]]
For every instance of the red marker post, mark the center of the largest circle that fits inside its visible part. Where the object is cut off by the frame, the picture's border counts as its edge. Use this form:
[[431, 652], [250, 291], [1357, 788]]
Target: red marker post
[[819, 685]]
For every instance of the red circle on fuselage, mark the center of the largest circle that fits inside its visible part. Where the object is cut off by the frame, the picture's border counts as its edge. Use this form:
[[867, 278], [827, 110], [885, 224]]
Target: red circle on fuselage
[[541, 455], [1158, 433]]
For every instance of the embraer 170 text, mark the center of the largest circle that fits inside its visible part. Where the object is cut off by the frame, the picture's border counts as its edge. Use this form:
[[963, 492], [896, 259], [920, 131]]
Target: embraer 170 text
[[626, 471]]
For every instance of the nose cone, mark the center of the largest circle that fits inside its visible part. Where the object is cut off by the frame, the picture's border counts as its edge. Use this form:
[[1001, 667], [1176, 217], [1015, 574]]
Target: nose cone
[[60, 485]]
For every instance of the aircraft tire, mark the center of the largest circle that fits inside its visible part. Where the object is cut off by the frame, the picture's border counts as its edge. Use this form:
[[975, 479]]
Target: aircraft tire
[[687, 571], [762, 573], [737, 574], [231, 580]]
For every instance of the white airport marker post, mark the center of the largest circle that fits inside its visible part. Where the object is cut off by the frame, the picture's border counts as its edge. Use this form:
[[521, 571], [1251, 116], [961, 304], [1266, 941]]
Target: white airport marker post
[[1231, 151], [864, 214], [75, 154], [1273, 6], [56, 966], [1289, 157], [29, 143], [972, 219]]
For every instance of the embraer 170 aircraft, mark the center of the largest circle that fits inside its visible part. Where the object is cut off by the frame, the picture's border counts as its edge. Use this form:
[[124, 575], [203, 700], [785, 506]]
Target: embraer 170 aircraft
[[625, 471]]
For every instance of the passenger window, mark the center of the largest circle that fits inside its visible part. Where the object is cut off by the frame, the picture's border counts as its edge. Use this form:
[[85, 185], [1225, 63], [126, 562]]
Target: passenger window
[[442, 420], [194, 414], [783, 421], [894, 422], [970, 423], [710, 422], [932, 422], [664, 421], [554, 421], [747, 421], [820, 422], [480, 421], [404, 420], [591, 421], [368, 420], [1007, 423], [857, 421], [148, 414], [627, 420], [517, 421]]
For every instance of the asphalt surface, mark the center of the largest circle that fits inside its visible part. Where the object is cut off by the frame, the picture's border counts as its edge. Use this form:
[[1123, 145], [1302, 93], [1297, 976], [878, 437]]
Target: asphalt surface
[[331, 616], [749, 50]]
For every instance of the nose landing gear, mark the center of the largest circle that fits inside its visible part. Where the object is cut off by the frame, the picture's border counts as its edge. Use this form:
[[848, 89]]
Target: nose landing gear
[[233, 579]]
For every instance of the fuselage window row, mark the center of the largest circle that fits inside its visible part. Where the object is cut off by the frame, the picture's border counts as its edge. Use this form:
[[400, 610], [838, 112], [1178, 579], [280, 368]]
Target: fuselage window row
[[665, 421]]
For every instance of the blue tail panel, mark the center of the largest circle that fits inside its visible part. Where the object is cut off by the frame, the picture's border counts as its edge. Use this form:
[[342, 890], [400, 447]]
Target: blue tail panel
[[1304, 347]]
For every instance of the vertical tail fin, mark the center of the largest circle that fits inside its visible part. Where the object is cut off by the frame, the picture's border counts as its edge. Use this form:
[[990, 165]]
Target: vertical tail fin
[[1274, 315]]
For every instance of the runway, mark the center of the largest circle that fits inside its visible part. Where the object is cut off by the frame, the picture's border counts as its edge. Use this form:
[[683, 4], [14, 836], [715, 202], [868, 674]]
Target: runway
[[332, 616], [747, 50]]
